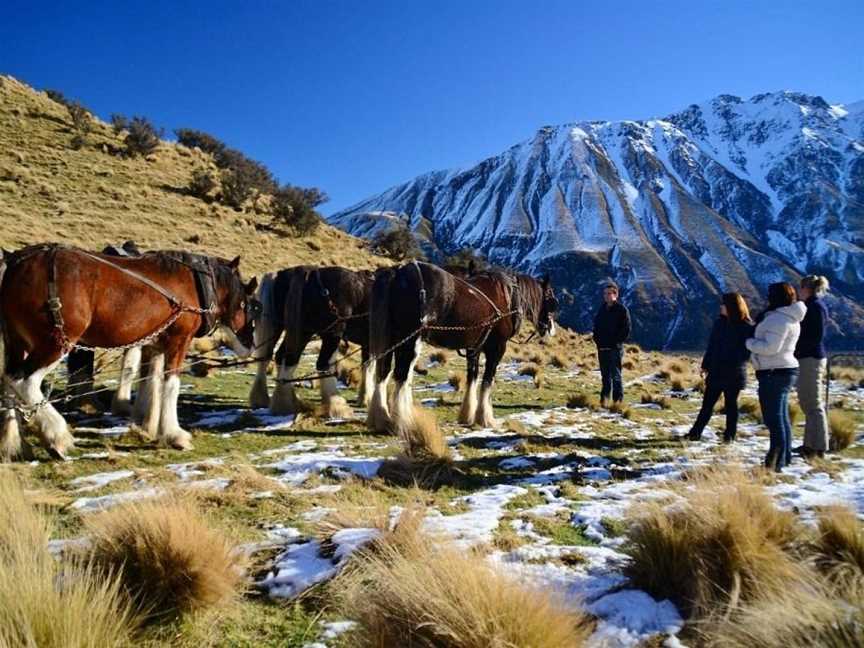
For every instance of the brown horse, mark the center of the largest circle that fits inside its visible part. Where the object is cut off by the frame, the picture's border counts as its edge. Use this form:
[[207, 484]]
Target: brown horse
[[302, 302], [54, 297], [479, 313]]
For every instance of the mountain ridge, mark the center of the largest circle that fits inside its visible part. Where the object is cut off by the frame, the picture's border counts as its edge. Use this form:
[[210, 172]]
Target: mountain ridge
[[730, 194]]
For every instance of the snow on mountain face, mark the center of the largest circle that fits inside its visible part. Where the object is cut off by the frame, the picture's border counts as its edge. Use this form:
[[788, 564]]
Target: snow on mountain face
[[726, 195]]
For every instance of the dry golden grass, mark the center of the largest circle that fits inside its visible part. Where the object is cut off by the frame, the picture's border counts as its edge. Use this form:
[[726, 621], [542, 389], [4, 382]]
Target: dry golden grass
[[664, 402], [580, 400], [456, 380], [426, 459], [839, 547], [842, 428], [170, 559], [672, 368], [750, 407], [440, 356], [621, 408], [529, 369], [90, 198], [410, 592], [559, 361], [349, 374], [724, 545], [45, 603]]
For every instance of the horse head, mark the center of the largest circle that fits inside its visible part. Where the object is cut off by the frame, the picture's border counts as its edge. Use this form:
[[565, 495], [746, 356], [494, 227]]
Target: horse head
[[238, 307], [548, 308]]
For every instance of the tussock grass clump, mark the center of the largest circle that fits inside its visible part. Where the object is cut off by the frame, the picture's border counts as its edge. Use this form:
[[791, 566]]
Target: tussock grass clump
[[750, 407], [664, 402], [456, 380], [623, 409], [559, 361], [170, 559], [411, 592], [529, 369], [426, 459], [440, 357], [537, 358], [678, 385], [724, 545], [673, 368], [349, 374], [89, 609], [628, 365], [839, 546], [842, 428], [580, 400]]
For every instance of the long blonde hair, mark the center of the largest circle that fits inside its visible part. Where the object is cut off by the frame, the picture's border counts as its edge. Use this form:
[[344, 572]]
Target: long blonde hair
[[817, 283], [736, 307]]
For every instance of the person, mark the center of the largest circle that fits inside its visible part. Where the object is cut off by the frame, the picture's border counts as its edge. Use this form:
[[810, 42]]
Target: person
[[611, 330], [724, 365], [812, 362], [773, 354]]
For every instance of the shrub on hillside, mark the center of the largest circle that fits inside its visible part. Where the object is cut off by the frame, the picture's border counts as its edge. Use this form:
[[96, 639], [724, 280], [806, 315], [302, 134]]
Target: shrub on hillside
[[119, 123], [397, 243], [202, 183], [57, 97], [143, 137], [465, 257], [81, 124], [255, 174], [295, 207], [205, 141]]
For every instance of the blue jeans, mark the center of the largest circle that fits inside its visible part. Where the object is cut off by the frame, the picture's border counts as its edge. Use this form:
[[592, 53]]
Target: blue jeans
[[610, 374], [774, 388]]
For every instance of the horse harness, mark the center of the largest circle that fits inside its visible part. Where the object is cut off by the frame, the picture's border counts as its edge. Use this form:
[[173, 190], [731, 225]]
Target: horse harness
[[205, 283]]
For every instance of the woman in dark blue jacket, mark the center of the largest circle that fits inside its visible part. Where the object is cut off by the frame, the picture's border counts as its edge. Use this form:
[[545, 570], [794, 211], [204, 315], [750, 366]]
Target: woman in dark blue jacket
[[725, 365]]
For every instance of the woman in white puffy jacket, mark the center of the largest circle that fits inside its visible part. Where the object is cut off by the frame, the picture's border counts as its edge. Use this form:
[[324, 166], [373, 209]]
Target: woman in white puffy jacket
[[772, 350]]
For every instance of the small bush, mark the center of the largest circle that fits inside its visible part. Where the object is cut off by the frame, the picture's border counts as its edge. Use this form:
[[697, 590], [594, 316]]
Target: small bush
[[202, 183], [142, 138], [842, 428], [58, 97], [411, 592], [257, 176], [82, 124], [119, 123], [191, 138], [296, 207], [170, 560], [397, 243]]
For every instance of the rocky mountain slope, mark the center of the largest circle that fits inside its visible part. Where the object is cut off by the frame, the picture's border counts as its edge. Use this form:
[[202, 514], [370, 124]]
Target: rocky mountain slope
[[89, 197], [731, 194]]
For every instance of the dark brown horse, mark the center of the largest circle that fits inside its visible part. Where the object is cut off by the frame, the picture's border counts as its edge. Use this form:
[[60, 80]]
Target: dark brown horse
[[54, 297], [478, 313], [302, 302]]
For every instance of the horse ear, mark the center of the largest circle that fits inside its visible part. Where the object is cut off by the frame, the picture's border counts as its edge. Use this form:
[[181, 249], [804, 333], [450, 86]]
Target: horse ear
[[545, 281], [234, 263], [472, 267], [251, 286]]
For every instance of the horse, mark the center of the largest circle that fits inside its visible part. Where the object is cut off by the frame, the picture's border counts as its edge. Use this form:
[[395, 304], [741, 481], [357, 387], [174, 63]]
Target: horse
[[80, 363], [478, 312], [55, 297], [304, 301]]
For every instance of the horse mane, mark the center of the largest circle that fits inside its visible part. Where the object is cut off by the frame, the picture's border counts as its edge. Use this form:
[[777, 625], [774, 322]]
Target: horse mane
[[531, 296], [292, 320]]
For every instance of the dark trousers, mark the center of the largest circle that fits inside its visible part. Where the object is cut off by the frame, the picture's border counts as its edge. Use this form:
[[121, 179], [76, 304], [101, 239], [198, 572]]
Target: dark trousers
[[774, 388], [713, 390], [610, 374]]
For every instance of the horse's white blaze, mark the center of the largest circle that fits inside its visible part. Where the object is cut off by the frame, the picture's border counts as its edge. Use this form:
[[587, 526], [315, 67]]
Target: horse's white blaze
[[378, 415], [170, 432], [468, 411], [10, 436], [367, 380], [230, 338], [485, 416], [153, 396], [284, 400], [131, 365], [52, 427]]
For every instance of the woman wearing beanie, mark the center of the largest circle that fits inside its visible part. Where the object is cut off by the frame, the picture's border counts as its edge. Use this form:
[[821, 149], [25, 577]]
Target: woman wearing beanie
[[725, 365], [810, 353], [773, 356]]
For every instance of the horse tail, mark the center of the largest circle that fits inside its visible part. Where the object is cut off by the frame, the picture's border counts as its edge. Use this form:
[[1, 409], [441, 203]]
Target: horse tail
[[292, 320], [379, 313], [267, 327]]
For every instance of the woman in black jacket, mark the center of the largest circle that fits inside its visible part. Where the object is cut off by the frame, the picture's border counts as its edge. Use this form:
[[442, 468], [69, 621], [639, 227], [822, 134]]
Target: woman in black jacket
[[725, 365]]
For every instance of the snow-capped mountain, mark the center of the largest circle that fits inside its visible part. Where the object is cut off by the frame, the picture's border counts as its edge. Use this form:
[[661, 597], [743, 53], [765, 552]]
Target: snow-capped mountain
[[727, 195]]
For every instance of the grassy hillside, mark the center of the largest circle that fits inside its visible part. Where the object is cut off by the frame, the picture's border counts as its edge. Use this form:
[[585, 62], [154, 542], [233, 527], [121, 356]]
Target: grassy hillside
[[89, 197]]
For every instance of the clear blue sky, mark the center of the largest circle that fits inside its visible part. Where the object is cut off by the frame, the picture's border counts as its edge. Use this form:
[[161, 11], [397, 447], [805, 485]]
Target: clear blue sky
[[355, 97]]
